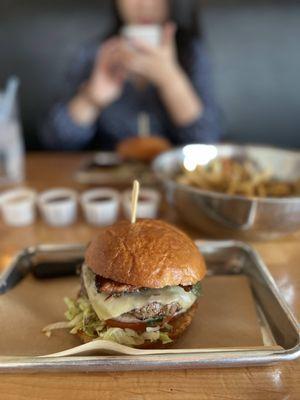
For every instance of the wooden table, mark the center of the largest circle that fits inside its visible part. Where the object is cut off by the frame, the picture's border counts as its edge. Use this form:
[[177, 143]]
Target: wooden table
[[277, 382]]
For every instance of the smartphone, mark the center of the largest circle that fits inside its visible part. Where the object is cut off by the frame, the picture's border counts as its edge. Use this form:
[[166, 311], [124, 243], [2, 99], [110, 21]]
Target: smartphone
[[149, 33]]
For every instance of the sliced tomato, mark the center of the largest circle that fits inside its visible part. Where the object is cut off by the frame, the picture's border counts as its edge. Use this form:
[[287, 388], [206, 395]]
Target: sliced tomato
[[136, 326]]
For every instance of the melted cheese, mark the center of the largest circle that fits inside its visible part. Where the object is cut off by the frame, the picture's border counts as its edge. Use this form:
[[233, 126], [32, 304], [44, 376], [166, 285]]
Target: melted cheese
[[113, 307]]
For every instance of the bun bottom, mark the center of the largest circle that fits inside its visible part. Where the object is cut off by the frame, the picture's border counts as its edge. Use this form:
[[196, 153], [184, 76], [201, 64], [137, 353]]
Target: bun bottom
[[179, 325]]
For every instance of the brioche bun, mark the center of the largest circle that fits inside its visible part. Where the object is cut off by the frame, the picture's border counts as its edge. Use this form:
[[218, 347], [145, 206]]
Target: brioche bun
[[149, 253]]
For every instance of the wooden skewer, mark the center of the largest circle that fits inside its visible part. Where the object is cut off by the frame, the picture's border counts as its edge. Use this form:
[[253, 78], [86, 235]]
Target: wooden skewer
[[134, 200], [143, 125]]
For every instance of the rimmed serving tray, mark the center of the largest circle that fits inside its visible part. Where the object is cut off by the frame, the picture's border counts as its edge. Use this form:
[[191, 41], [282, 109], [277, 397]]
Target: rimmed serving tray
[[106, 168], [278, 326]]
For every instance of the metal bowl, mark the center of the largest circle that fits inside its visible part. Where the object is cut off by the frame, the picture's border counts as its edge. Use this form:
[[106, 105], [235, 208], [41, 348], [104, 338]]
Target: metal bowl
[[221, 214]]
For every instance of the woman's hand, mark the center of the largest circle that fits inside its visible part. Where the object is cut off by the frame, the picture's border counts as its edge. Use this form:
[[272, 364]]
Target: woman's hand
[[106, 82], [156, 64], [104, 85]]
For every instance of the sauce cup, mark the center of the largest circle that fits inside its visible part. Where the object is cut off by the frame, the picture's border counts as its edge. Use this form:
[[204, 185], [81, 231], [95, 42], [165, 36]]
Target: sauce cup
[[18, 207], [58, 206], [100, 206], [148, 203]]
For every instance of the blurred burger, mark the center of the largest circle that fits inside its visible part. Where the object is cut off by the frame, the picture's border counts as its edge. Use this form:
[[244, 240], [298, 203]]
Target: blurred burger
[[143, 149], [140, 285]]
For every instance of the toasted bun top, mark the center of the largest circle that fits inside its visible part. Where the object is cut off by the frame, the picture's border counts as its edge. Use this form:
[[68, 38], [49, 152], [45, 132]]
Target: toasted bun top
[[142, 148], [148, 253]]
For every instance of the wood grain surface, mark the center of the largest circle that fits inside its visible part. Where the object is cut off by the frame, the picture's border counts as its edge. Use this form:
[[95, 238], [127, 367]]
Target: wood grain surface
[[280, 381]]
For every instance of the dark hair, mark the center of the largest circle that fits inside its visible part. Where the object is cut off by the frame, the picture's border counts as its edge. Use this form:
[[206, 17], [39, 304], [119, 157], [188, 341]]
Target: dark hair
[[187, 17]]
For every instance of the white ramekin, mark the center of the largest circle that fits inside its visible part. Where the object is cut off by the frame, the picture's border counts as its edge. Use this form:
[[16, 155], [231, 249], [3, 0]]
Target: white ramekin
[[103, 212], [60, 212], [146, 208], [18, 207]]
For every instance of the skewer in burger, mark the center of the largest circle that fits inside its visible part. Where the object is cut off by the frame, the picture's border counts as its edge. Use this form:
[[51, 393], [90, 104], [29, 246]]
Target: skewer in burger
[[140, 285]]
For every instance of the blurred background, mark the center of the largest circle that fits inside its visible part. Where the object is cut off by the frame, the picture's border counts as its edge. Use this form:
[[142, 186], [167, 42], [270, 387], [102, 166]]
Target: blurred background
[[254, 47]]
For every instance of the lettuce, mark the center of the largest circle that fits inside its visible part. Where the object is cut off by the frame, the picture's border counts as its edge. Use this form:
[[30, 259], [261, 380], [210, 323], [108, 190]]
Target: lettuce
[[165, 338], [81, 316], [130, 337], [197, 289]]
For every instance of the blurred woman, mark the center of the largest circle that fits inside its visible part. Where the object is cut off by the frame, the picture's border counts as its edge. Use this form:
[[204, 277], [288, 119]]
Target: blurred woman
[[112, 82]]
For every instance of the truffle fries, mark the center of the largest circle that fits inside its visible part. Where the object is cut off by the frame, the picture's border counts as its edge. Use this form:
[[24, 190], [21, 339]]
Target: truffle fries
[[236, 177]]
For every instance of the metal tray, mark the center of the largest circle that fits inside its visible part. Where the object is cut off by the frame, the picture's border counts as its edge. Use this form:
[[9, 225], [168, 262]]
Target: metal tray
[[106, 168], [278, 325]]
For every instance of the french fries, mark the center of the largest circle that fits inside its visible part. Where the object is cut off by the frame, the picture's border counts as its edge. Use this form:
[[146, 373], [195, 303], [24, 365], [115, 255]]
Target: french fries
[[236, 177]]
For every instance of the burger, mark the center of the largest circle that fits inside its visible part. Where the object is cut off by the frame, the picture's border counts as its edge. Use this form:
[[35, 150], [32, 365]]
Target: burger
[[140, 285], [143, 149]]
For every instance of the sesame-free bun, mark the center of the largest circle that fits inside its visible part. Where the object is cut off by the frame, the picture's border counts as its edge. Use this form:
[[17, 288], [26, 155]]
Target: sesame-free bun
[[149, 253], [179, 325], [142, 148]]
